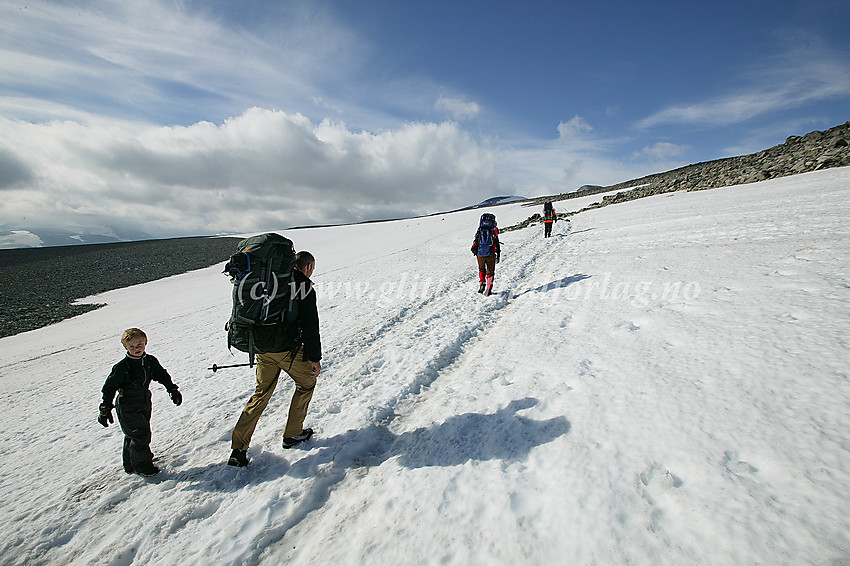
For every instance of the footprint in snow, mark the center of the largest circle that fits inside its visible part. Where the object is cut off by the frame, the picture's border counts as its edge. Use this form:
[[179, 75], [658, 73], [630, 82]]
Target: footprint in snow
[[628, 326], [656, 481], [588, 368], [335, 408], [736, 466]]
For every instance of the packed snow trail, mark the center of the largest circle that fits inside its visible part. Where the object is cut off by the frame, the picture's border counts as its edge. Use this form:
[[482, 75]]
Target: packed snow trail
[[389, 369], [661, 382]]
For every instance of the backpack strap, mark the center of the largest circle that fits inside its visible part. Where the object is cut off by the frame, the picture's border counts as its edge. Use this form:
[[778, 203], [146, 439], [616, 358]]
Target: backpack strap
[[251, 348]]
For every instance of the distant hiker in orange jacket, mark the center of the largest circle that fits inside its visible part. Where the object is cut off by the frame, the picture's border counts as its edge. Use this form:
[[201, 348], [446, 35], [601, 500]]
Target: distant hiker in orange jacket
[[549, 218], [487, 249]]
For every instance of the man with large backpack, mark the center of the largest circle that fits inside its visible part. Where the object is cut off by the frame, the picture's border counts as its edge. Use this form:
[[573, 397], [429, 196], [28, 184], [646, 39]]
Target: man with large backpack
[[282, 329], [549, 218], [487, 250]]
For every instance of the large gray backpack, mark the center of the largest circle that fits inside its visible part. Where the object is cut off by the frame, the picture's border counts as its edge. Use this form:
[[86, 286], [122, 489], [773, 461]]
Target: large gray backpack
[[261, 273]]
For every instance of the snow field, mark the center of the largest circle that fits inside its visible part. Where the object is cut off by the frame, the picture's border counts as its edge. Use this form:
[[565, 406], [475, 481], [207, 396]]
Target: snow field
[[661, 382]]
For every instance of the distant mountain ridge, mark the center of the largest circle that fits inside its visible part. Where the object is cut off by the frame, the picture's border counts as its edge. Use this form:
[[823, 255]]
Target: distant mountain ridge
[[799, 154], [51, 237], [495, 201]]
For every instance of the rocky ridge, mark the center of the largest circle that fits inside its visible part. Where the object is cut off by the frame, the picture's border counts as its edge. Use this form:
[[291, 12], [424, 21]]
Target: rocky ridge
[[799, 154]]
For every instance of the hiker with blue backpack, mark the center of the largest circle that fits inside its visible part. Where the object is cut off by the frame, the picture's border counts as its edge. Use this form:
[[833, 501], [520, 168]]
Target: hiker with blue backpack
[[487, 250]]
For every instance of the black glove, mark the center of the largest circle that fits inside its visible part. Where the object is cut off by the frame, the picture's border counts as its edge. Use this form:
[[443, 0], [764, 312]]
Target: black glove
[[175, 395], [105, 416]]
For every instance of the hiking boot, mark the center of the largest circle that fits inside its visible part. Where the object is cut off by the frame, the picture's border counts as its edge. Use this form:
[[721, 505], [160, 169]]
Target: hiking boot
[[290, 441], [128, 469], [481, 288], [238, 458], [488, 292], [147, 469]]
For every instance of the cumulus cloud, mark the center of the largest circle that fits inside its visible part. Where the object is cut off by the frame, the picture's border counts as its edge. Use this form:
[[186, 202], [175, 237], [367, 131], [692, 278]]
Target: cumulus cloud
[[19, 239], [13, 171], [457, 108], [258, 170], [574, 127], [269, 169]]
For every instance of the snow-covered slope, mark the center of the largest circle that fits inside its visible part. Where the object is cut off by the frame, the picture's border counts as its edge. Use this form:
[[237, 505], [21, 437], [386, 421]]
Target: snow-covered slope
[[662, 382]]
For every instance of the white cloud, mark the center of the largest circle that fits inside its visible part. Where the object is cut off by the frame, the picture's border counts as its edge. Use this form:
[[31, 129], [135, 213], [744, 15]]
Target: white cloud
[[574, 127], [19, 239], [727, 110], [564, 164], [661, 151], [260, 169], [266, 169], [457, 108]]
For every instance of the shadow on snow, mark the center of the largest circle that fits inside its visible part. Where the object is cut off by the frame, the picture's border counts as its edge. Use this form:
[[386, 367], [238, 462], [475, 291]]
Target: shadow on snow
[[554, 285], [503, 435]]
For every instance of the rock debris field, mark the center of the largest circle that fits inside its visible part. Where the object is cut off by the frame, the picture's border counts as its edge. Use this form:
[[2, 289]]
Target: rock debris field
[[39, 285]]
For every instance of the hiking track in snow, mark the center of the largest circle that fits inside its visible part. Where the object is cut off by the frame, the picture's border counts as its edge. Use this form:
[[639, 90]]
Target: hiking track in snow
[[397, 362]]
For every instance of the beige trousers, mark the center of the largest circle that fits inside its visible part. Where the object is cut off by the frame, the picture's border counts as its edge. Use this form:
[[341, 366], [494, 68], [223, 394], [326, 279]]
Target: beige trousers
[[269, 367]]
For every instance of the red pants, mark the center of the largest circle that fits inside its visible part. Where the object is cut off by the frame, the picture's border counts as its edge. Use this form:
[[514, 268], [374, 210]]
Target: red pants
[[487, 269]]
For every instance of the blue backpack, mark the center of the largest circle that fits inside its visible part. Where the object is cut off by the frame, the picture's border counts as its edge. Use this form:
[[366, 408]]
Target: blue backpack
[[488, 220], [485, 234]]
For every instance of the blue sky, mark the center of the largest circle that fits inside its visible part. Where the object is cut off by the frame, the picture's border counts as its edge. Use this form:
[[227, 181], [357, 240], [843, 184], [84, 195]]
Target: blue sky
[[176, 118]]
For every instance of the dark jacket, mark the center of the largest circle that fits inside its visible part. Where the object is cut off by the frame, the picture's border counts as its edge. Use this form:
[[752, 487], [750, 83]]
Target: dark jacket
[[131, 378], [306, 325], [300, 326]]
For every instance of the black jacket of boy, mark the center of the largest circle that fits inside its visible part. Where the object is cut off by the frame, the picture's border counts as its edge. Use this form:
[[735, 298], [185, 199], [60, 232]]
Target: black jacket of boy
[[131, 379]]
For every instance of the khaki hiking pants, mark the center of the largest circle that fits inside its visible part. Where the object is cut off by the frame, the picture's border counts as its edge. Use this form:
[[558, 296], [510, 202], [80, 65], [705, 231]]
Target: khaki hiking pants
[[268, 371]]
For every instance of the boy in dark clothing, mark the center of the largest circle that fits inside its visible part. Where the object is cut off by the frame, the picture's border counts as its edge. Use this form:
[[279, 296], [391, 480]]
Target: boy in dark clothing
[[131, 378], [487, 250]]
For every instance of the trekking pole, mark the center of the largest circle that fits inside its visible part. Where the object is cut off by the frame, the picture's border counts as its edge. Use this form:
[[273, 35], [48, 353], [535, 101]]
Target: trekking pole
[[215, 368]]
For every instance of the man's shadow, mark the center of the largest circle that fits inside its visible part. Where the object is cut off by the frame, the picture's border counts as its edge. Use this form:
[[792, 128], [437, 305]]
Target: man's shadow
[[503, 435]]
